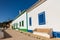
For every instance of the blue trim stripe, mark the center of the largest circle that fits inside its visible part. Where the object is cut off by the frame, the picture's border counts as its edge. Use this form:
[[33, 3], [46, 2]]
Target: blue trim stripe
[[30, 31], [56, 34], [27, 20]]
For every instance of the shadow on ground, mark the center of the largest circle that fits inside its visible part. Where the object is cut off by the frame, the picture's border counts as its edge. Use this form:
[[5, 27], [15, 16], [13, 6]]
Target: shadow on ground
[[6, 35]]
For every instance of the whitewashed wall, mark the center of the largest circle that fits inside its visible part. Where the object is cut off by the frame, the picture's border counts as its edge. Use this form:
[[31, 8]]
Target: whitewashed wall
[[20, 19], [52, 13], [12, 24]]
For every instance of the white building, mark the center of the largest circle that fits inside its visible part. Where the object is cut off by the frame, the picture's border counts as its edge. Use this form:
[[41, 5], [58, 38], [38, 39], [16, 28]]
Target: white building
[[20, 22], [45, 14]]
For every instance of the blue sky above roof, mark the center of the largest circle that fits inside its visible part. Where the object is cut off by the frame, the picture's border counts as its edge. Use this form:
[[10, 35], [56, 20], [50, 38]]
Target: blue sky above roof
[[9, 9]]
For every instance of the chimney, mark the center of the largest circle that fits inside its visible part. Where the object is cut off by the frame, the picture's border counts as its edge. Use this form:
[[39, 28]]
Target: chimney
[[39, 0], [19, 11]]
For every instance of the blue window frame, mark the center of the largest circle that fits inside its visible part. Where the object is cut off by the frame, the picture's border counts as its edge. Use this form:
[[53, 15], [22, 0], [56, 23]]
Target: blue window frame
[[41, 18], [30, 21]]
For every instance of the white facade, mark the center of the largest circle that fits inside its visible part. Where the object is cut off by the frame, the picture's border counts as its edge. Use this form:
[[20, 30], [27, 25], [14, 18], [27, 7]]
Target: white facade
[[15, 21], [20, 19], [52, 15]]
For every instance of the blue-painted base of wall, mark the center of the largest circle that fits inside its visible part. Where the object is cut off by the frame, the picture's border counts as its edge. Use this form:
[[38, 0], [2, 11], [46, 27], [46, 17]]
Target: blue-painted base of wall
[[56, 34], [30, 31]]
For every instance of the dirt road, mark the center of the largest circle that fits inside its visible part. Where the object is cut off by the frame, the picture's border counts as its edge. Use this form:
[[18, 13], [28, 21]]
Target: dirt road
[[16, 35], [10, 34]]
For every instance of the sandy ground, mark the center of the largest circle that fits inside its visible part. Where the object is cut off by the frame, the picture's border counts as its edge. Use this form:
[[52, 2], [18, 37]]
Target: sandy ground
[[16, 35]]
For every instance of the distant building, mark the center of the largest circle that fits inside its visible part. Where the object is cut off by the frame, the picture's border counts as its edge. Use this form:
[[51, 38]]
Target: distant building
[[20, 22], [5, 24]]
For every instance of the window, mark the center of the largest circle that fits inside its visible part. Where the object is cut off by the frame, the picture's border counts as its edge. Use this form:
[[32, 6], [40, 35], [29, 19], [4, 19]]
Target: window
[[41, 18], [16, 25], [30, 21], [22, 23]]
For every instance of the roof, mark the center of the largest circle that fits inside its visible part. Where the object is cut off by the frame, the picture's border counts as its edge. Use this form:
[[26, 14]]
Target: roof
[[39, 2], [19, 14]]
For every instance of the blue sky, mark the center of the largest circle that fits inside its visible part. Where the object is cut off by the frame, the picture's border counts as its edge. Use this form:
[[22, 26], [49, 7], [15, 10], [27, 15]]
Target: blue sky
[[9, 9]]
